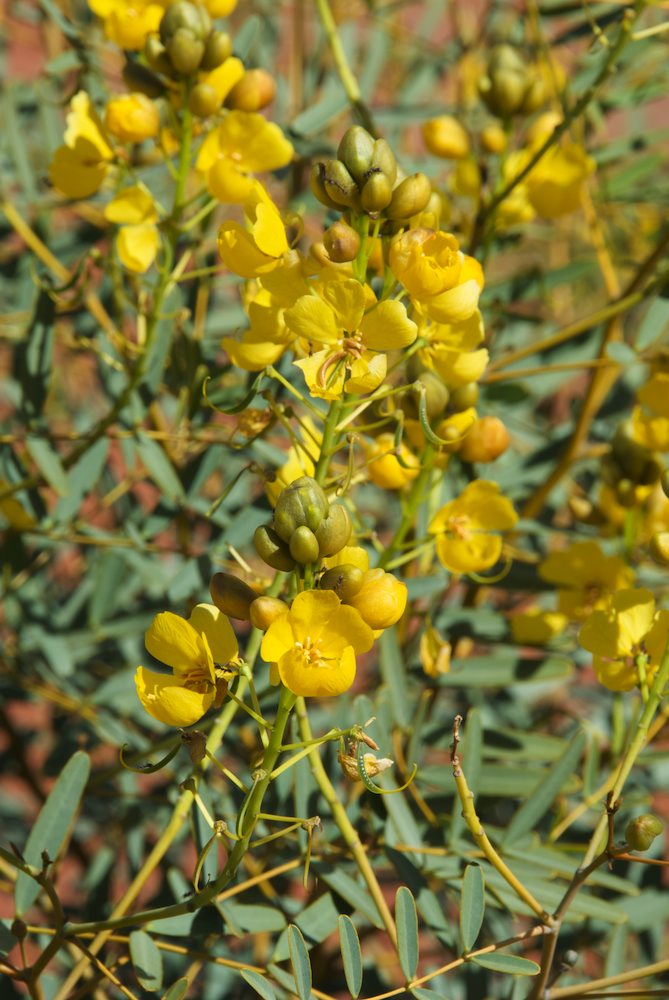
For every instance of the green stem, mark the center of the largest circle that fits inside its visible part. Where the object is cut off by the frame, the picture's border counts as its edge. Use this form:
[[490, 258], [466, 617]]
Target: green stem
[[413, 502], [346, 75], [329, 442]]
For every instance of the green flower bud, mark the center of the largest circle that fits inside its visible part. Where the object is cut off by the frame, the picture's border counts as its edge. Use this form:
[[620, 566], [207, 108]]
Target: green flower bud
[[139, 79], [301, 503], [464, 397], [409, 197], [203, 100], [664, 482], [303, 545], [632, 457], [231, 595], [345, 580], [355, 151], [217, 48], [341, 242], [193, 17], [265, 610], [535, 96], [436, 394], [185, 51], [376, 193], [272, 549], [334, 531], [383, 159], [156, 55], [339, 185], [317, 185], [642, 831], [506, 84]]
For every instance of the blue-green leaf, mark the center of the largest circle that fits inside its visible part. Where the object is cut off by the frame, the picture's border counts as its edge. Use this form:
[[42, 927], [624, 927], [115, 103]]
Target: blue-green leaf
[[147, 961], [472, 906], [259, 984], [351, 955], [299, 960], [177, 990], [406, 921], [512, 965]]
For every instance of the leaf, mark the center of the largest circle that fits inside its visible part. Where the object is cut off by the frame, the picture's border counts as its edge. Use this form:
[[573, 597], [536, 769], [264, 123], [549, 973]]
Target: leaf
[[406, 921], [497, 672], [48, 462], [394, 675], [52, 825], [545, 791], [299, 960], [512, 965], [350, 891], [33, 359], [472, 905], [177, 990], [147, 960], [159, 467], [259, 984], [351, 955], [422, 994]]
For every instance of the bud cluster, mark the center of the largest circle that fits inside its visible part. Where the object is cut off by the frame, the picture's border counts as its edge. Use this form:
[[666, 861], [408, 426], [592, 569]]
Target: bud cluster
[[511, 86], [305, 528], [364, 178], [629, 465]]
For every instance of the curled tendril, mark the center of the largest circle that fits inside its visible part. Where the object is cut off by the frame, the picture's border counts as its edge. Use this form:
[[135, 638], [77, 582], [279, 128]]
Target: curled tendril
[[242, 404], [149, 768], [485, 580], [220, 830], [367, 781], [430, 435]]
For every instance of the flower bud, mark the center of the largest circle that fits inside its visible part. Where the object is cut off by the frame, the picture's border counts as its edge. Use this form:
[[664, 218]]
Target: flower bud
[[231, 595], [493, 139], [303, 503], [203, 100], [383, 160], [346, 580], [659, 547], [304, 545], [156, 55], [253, 92], [486, 441], [355, 151], [446, 137], [454, 429], [436, 394], [664, 482], [635, 460], [185, 51], [339, 185], [504, 87], [376, 193], [217, 48], [435, 652], [334, 531], [132, 118], [182, 15], [139, 78], [464, 397], [642, 831], [272, 549], [409, 197], [265, 610], [535, 96], [381, 600], [317, 185], [383, 466], [341, 242]]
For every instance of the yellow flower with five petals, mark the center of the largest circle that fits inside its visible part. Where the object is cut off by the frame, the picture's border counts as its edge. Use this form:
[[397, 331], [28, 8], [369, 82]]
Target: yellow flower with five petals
[[138, 239], [467, 528], [243, 144], [442, 281], [585, 576], [197, 650], [80, 165]]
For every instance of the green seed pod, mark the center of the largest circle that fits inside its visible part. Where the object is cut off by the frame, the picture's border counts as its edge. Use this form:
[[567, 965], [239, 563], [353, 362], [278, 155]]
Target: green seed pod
[[383, 159], [376, 193], [203, 100], [642, 831], [272, 549], [217, 48], [139, 79], [355, 151], [334, 531], [664, 482], [317, 185], [339, 185], [185, 51], [303, 503], [265, 610], [345, 580], [341, 242], [303, 545], [156, 55], [231, 595], [409, 197], [464, 397], [193, 17]]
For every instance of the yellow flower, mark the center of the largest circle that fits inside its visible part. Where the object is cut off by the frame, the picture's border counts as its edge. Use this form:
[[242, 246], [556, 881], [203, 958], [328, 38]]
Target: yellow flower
[[554, 186], [224, 77], [383, 466], [132, 118], [628, 640], [650, 419], [250, 254], [450, 350], [242, 145], [197, 650], [465, 526], [356, 330], [314, 644], [138, 239], [381, 600], [220, 8], [536, 627], [127, 23], [79, 166], [435, 651], [586, 577], [442, 281]]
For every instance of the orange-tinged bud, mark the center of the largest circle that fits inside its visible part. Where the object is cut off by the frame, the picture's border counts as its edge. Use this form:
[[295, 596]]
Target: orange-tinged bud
[[265, 610], [253, 92], [132, 118], [445, 137], [381, 600], [486, 441], [341, 242], [383, 467], [494, 139]]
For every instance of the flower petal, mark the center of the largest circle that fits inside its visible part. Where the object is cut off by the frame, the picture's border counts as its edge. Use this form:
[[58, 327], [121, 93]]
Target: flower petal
[[214, 624], [469, 555], [174, 641], [170, 702], [316, 680], [387, 327], [137, 246], [314, 320], [278, 639]]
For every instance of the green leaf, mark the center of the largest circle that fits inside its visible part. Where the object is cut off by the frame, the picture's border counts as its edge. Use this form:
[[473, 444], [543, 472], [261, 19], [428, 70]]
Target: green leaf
[[472, 905], [545, 791], [497, 672], [259, 984], [147, 961], [299, 960], [159, 467], [394, 675], [406, 921], [48, 463], [177, 990], [52, 825], [509, 964], [350, 891], [422, 994], [351, 955]]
